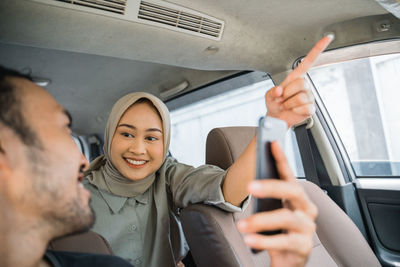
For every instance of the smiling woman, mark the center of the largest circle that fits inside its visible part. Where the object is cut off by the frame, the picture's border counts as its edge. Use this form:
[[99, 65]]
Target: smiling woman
[[136, 172], [132, 197]]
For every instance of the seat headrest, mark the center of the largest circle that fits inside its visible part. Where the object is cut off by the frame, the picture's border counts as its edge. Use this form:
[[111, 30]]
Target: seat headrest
[[87, 242], [224, 145]]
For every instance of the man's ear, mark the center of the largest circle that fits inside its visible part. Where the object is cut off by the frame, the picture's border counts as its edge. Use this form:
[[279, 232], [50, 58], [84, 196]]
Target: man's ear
[[1, 149], [4, 162]]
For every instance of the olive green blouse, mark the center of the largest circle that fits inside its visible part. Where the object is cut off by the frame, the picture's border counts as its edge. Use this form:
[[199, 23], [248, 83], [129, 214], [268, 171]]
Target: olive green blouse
[[129, 223]]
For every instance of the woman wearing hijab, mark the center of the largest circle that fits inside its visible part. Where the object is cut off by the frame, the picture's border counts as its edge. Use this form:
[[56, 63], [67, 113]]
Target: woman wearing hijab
[[137, 191]]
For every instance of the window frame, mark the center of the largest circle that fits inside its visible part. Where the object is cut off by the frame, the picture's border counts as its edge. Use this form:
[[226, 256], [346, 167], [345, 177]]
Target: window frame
[[323, 114], [216, 88]]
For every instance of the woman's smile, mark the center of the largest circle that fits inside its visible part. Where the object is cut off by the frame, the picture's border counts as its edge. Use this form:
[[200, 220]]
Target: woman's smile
[[136, 163]]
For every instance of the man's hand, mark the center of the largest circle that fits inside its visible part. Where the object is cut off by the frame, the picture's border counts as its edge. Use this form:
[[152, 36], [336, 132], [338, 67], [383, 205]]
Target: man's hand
[[293, 101], [292, 247]]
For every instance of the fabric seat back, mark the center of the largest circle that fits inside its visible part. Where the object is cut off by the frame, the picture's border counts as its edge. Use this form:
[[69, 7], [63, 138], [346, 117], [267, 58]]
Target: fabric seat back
[[88, 242], [215, 241]]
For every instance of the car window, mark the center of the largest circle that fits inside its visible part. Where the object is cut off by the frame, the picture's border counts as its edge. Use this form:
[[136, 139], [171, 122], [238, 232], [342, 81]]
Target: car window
[[362, 99], [242, 106]]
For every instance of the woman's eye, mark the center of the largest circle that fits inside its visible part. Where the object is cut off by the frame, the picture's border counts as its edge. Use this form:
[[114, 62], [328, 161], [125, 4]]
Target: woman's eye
[[126, 135], [150, 138]]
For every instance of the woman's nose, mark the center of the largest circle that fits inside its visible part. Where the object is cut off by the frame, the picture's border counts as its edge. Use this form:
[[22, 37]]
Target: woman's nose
[[137, 147]]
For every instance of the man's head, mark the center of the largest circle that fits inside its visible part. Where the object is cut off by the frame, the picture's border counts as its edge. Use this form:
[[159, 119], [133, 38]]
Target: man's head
[[40, 164], [10, 106]]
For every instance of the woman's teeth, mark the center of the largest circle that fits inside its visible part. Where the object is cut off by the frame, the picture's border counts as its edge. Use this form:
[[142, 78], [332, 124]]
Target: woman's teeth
[[136, 162]]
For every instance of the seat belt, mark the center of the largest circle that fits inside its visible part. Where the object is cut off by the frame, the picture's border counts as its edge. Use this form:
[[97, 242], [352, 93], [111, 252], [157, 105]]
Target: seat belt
[[303, 141]]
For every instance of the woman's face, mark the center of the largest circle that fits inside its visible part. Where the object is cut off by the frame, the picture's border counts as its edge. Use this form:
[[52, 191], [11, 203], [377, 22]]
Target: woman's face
[[137, 147]]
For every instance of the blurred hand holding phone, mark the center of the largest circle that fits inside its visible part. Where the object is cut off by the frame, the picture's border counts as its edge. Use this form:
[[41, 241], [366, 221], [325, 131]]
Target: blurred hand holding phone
[[269, 130]]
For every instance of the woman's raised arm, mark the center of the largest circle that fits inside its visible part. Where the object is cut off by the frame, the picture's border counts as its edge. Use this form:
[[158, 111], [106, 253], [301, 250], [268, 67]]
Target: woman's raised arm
[[291, 101]]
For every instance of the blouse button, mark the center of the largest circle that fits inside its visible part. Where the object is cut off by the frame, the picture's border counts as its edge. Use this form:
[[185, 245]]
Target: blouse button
[[132, 228]]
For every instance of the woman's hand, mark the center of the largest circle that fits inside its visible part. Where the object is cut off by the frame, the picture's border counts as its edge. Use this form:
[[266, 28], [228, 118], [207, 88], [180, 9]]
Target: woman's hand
[[293, 100], [296, 219]]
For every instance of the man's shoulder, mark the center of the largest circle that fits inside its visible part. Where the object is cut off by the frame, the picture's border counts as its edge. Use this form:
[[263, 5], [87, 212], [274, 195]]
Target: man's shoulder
[[76, 259]]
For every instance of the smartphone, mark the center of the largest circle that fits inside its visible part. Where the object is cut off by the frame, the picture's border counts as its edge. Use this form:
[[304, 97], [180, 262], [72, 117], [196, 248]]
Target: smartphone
[[269, 130]]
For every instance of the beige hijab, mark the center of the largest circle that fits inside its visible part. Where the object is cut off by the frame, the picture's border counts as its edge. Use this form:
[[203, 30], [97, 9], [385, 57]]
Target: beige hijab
[[102, 172]]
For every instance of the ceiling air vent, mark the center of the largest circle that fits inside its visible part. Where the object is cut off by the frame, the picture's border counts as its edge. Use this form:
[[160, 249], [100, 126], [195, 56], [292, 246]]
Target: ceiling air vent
[[116, 6], [156, 13], [180, 19]]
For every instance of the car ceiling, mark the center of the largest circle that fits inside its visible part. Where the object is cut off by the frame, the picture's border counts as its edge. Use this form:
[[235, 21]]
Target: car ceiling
[[93, 59]]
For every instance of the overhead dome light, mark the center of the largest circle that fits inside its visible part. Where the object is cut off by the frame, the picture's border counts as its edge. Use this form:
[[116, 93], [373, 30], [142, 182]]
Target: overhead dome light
[[211, 50], [43, 82], [174, 90]]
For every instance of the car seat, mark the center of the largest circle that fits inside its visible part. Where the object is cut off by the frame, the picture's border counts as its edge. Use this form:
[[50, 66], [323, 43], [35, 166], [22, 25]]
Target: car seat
[[215, 241], [87, 242]]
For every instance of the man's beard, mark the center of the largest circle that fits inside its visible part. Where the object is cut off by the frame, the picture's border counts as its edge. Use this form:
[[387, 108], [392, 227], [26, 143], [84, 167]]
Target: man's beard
[[71, 218], [62, 215]]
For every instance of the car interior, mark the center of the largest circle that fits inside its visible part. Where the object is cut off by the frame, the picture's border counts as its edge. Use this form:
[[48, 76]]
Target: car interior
[[211, 62]]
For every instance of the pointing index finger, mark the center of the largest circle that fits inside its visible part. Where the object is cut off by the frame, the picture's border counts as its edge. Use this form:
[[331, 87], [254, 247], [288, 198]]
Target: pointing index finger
[[307, 62]]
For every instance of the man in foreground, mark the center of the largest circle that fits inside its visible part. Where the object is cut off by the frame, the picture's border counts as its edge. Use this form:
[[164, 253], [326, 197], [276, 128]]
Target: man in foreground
[[41, 169]]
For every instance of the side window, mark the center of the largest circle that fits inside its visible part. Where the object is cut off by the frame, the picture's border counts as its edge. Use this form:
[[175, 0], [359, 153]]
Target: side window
[[362, 99], [240, 105]]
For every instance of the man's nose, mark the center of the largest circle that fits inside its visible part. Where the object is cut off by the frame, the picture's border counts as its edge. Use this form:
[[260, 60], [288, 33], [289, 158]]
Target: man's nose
[[84, 163]]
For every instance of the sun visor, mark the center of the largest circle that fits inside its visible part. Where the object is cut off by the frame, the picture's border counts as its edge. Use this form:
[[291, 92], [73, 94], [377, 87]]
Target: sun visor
[[393, 6]]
